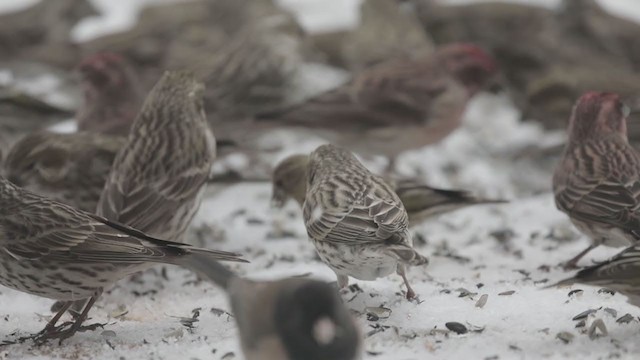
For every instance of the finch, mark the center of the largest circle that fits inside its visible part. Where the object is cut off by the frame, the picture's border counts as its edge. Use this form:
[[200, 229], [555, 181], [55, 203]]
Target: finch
[[112, 94], [55, 251], [289, 180], [70, 168], [396, 106], [597, 182], [158, 178], [355, 220]]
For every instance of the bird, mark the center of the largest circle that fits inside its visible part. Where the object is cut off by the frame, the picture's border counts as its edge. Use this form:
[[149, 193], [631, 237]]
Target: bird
[[158, 177], [288, 319], [289, 180], [355, 220], [53, 250], [71, 168], [44, 31], [597, 181], [619, 273], [112, 94], [395, 106]]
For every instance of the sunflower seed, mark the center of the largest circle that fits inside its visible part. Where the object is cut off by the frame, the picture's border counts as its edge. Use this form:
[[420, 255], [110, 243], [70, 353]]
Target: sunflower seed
[[625, 319], [597, 329], [456, 327], [482, 301], [584, 314], [565, 336]]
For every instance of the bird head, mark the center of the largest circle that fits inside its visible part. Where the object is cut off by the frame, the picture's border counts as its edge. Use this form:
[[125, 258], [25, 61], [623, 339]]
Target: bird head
[[290, 180], [596, 115], [104, 71], [470, 64]]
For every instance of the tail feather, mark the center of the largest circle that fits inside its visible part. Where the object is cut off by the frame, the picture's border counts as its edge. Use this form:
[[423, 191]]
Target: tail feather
[[407, 255], [566, 282], [422, 201]]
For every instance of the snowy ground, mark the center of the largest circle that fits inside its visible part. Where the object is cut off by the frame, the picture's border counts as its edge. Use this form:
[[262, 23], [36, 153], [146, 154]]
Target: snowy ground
[[506, 252]]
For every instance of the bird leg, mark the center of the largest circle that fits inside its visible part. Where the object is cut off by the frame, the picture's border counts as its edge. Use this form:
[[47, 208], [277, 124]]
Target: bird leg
[[62, 332], [573, 263], [75, 309], [402, 272], [51, 325]]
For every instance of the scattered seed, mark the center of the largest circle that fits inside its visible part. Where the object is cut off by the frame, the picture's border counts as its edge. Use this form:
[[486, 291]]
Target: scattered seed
[[565, 336], [576, 292], [465, 293], [544, 268], [108, 333], [377, 328], [254, 221], [625, 319], [380, 311], [581, 324], [606, 291], [482, 301], [456, 327], [584, 314], [372, 317], [597, 329], [479, 285], [503, 235], [475, 328], [611, 312], [507, 293], [229, 355], [220, 312]]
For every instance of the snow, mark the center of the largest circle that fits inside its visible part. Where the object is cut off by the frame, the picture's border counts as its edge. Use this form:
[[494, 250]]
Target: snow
[[483, 250]]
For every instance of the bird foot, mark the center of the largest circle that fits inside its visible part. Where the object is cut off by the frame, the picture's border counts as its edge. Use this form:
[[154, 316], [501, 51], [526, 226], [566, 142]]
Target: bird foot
[[63, 332]]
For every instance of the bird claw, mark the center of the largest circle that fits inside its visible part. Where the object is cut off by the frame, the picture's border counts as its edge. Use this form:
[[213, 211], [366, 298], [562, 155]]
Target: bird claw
[[62, 332]]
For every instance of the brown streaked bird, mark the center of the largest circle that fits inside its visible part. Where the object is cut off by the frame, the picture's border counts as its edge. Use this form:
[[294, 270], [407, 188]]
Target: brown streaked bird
[[621, 273], [70, 168], [597, 182], [289, 180], [289, 319], [396, 106], [112, 94], [157, 179], [55, 251], [355, 220]]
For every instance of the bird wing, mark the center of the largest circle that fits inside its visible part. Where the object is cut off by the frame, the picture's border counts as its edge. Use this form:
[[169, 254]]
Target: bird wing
[[43, 229], [597, 192], [372, 220], [143, 204]]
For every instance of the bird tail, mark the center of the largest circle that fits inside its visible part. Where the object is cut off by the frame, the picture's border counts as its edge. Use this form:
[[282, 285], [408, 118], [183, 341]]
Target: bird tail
[[425, 201], [207, 266], [566, 282], [407, 255]]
